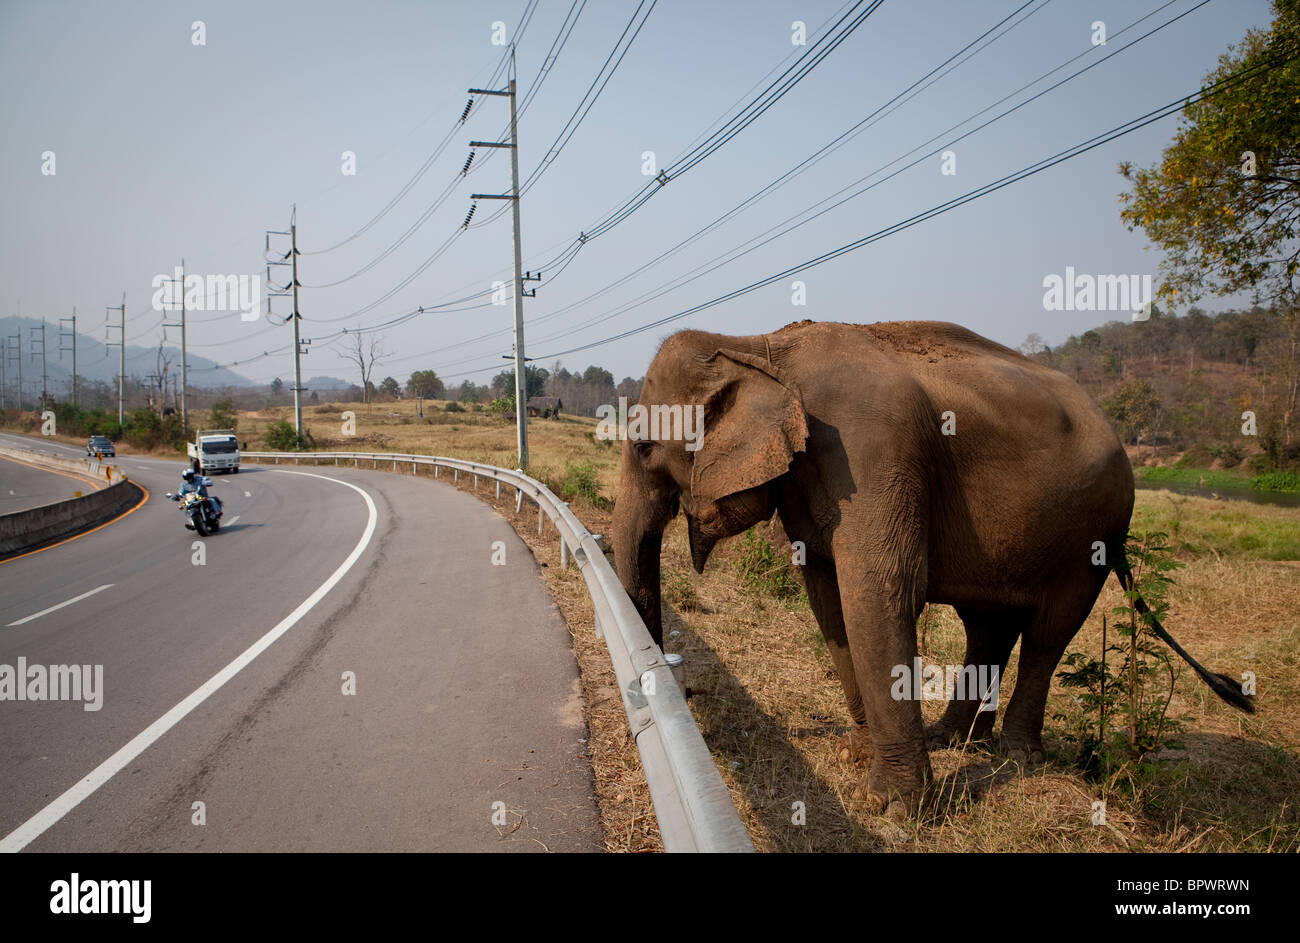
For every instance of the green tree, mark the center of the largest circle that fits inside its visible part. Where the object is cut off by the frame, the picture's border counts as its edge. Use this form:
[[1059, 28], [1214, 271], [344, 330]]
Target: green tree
[[223, 415], [1224, 201], [391, 387], [425, 383], [534, 381], [1134, 409]]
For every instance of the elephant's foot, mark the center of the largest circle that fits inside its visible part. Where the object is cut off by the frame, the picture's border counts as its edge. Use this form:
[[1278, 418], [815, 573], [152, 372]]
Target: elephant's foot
[[950, 731], [894, 786], [854, 748], [1027, 751]]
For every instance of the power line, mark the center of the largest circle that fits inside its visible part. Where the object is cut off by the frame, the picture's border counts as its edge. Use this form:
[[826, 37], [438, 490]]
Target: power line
[[1030, 170]]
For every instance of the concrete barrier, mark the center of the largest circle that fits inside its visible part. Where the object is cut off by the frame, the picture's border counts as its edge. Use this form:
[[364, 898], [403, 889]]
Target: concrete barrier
[[23, 530], [98, 471]]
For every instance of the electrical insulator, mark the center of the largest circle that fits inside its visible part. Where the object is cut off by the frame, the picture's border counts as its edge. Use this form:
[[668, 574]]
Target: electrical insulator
[[465, 114], [468, 160], [469, 216]]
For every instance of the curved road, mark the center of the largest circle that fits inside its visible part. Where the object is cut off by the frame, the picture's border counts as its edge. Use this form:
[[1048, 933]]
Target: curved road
[[340, 668], [24, 486]]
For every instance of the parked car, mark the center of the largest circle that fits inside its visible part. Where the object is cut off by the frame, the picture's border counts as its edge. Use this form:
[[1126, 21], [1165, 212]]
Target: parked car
[[101, 445]]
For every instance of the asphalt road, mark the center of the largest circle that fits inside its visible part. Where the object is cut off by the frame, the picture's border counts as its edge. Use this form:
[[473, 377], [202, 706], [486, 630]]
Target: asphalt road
[[24, 486], [229, 682]]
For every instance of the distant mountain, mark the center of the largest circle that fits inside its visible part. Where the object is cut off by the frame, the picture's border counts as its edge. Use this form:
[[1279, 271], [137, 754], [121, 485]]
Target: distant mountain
[[327, 383], [95, 361]]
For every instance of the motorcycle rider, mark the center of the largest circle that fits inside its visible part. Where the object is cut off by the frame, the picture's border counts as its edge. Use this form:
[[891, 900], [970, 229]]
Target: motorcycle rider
[[190, 482]]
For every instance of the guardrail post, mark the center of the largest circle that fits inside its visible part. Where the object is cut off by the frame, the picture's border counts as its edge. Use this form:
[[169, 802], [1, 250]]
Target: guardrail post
[[564, 554], [519, 499], [498, 490], [539, 518], [455, 476], [436, 469], [476, 484], [412, 466]]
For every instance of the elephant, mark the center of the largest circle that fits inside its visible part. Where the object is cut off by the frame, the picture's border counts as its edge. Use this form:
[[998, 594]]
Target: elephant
[[917, 462]]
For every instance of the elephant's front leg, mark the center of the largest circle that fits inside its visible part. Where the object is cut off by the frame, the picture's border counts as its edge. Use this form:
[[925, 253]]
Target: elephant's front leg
[[824, 597], [880, 616]]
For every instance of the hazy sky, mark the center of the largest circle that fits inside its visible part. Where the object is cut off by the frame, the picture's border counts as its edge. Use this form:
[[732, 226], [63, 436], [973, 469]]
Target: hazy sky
[[166, 149]]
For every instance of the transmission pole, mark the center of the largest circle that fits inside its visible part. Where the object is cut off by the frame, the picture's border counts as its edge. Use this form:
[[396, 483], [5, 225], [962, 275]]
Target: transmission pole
[[121, 368], [289, 290], [4, 355], [521, 385], [62, 335], [18, 356], [44, 391], [297, 343], [185, 416]]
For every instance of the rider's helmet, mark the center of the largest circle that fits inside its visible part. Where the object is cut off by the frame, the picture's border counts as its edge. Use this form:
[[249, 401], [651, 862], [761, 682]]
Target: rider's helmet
[[188, 475]]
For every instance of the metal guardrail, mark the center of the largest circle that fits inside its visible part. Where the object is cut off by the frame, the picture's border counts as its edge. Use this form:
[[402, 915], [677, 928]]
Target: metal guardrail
[[694, 810]]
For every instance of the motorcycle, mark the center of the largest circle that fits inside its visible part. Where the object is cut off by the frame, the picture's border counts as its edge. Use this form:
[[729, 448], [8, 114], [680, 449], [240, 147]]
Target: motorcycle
[[202, 515]]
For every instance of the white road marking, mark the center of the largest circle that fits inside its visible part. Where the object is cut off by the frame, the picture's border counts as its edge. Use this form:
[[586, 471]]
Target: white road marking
[[246, 494], [34, 827], [232, 520], [45, 612]]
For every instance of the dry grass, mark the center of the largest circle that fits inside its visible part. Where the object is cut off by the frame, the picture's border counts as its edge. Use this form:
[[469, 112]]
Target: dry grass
[[769, 705]]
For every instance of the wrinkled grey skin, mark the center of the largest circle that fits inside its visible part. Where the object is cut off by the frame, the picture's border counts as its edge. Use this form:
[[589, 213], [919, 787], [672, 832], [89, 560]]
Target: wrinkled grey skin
[[838, 428]]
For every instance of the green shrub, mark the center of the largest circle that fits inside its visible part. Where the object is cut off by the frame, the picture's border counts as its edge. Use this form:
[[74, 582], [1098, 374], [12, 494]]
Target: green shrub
[[679, 591], [1284, 481], [454, 407], [580, 482], [761, 568], [282, 437], [1125, 711]]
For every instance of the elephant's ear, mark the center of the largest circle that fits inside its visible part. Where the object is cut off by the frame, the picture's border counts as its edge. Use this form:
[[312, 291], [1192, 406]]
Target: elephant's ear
[[753, 426]]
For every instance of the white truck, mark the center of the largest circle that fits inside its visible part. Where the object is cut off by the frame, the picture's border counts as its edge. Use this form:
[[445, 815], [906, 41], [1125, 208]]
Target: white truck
[[214, 450]]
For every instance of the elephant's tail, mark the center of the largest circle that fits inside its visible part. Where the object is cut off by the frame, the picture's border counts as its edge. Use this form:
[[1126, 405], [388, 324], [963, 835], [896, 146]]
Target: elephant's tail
[[1220, 684]]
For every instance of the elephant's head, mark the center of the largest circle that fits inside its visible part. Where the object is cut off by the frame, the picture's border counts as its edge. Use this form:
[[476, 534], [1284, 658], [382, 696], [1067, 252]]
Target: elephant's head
[[720, 477]]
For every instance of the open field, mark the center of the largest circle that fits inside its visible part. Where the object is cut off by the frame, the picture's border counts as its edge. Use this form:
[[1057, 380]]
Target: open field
[[771, 710]]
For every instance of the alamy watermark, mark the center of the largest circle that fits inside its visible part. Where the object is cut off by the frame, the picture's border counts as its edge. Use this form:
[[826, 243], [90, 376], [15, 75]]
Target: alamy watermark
[[651, 423], [24, 682], [240, 293], [1083, 292], [919, 682]]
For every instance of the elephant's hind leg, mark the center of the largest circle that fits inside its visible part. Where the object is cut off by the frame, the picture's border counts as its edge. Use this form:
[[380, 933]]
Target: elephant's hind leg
[[990, 636], [1042, 644]]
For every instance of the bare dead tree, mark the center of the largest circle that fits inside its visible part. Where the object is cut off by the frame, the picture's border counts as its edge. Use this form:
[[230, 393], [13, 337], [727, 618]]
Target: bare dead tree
[[365, 352], [163, 362]]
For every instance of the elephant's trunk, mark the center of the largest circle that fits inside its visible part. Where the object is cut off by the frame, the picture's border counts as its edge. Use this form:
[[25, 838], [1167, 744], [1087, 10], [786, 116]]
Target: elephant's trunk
[[640, 516], [636, 556]]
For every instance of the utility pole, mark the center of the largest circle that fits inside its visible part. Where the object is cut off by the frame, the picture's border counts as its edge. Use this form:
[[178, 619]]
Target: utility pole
[[18, 356], [4, 355], [185, 416], [121, 368], [44, 391], [62, 335], [521, 385], [297, 343], [290, 290]]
